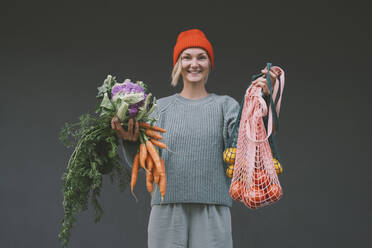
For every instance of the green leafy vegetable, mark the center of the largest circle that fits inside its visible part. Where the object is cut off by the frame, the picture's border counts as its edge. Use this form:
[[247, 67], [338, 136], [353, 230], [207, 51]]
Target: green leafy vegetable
[[96, 148], [95, 155]]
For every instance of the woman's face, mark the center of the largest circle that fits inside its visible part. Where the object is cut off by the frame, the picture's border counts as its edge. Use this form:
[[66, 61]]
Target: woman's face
[[195, 64]]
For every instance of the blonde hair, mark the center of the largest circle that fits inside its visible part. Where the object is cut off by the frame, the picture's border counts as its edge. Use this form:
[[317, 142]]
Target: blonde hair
[[176, 72]]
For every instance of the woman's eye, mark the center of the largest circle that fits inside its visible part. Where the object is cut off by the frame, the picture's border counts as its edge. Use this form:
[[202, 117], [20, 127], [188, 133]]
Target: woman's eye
[[188, 57]]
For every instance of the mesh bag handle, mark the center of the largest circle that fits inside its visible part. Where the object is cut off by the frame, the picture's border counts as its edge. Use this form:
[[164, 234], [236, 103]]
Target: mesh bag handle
[[233, 139], [274, 108]]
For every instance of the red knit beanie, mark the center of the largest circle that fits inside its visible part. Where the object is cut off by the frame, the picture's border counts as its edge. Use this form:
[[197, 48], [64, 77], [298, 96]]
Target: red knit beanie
[[192, 38]]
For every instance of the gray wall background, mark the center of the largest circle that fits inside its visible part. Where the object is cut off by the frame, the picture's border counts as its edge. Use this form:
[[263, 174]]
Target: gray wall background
[[55, 54]]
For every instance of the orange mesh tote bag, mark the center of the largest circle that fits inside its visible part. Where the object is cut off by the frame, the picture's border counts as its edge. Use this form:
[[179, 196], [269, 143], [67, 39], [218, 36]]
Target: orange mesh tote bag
[[255, 181]]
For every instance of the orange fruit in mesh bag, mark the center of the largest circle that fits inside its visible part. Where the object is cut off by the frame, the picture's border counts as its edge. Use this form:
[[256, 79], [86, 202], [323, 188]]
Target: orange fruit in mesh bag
[[236, 192], [261, 178], [273, 192], [254, 197]]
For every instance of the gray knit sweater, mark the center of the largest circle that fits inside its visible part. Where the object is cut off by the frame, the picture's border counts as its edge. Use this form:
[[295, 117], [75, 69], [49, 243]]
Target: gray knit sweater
[[197, 132]]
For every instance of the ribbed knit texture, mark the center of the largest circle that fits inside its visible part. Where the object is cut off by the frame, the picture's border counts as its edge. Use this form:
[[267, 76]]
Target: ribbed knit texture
[[197, 131]]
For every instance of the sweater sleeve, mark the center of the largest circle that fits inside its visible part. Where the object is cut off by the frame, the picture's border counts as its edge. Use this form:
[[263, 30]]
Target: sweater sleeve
[[231, 111], [127, 150]]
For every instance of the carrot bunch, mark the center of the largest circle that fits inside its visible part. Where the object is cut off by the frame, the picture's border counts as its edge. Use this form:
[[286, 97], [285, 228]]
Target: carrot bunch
[[148, 158]]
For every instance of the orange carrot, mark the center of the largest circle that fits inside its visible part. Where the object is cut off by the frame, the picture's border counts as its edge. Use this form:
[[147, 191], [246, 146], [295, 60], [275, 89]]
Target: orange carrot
[[156, 175], [149, 181], [155, 128], [153, 134], [142, 155], [158, 143], [135, 167], [163, 181], [155, 156], [149, 163]]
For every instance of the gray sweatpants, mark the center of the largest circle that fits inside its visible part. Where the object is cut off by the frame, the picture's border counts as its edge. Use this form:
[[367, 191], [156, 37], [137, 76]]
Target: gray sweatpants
[[189, 225]]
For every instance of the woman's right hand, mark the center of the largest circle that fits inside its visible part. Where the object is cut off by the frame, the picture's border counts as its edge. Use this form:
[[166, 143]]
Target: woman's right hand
[[121, 133]]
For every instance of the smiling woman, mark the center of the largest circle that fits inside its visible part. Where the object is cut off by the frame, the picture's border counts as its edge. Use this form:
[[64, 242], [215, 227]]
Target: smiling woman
[[195, 211], [194, 63], [186, 64]]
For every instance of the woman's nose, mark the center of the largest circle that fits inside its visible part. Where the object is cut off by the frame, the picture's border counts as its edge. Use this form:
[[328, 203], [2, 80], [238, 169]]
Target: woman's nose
[[194, 62]]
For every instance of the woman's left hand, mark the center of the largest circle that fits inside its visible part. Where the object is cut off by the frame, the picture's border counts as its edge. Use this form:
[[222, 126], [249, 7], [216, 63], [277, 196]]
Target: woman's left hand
[[262, 82]]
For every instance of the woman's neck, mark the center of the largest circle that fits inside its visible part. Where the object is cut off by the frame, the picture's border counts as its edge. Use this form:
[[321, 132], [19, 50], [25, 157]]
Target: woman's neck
[[194, 90]]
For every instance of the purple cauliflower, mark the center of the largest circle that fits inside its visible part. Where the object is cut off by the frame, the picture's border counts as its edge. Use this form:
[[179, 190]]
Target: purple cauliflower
[[129, 87], [126, 87], [134, 108]]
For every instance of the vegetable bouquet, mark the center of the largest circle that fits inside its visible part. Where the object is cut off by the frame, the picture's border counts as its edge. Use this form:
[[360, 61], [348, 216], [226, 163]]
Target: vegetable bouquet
[[96, 149]]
